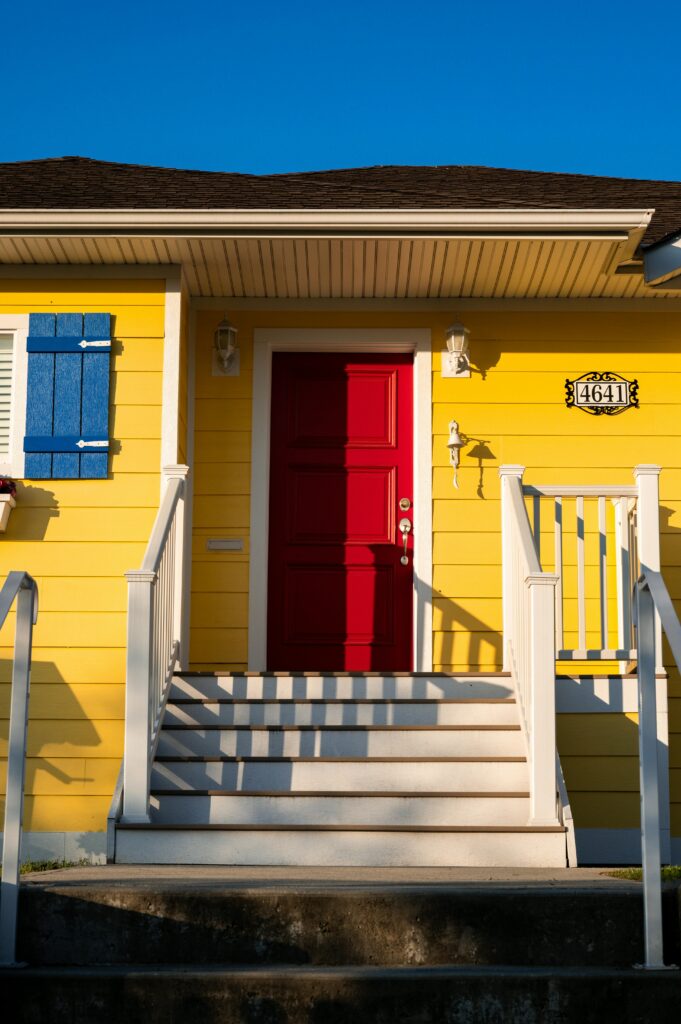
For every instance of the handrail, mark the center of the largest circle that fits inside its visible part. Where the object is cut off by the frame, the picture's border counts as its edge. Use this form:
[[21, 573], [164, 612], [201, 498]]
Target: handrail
[[652, 604], [529, 645], [162, 525], [153, 649], [23, 589]]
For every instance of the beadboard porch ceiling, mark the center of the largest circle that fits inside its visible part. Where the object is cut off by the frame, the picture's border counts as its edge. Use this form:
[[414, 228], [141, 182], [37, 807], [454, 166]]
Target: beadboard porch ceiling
[[323, 267]]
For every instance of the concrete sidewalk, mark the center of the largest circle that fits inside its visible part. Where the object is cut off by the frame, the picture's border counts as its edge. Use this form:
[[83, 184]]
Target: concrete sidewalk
[[324, 878]]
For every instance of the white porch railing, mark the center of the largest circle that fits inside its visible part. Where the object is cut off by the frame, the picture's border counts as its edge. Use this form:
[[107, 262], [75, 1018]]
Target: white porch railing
[[154, 630], [19, 587], [616, 529]]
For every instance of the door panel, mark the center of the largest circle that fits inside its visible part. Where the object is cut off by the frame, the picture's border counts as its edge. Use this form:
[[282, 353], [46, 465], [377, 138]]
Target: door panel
[[341, 458]]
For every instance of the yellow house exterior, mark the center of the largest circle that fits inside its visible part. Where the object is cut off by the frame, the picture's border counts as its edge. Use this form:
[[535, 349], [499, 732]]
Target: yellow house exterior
[[542, 305]]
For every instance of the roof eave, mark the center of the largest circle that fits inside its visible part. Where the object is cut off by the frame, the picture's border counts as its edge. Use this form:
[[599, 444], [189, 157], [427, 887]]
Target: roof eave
[[618, 223]]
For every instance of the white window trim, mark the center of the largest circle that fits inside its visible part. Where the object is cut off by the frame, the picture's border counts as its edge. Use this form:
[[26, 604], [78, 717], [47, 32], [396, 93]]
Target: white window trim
[[16, 324], [266, 341]]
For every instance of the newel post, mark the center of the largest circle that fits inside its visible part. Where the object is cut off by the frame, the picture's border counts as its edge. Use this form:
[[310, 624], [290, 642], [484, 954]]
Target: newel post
[[507, 474], [180, 631], [542, 709], [648, 534], [136, 766]]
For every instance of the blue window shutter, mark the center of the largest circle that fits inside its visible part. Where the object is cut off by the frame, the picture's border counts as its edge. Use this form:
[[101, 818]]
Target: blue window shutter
[[95, 408], [40, 395], [67, 405]]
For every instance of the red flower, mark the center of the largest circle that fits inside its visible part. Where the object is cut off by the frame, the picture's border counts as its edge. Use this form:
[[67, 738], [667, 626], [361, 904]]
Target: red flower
[[8, 486]]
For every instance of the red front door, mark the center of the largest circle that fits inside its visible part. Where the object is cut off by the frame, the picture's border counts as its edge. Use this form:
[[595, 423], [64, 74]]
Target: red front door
[[341, 462]]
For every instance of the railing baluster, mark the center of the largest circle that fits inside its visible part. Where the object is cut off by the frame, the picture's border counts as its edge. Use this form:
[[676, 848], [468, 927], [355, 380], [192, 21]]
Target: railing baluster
[[537, 524], [603, 567], [581, 596], [558, 567], [624, 581]]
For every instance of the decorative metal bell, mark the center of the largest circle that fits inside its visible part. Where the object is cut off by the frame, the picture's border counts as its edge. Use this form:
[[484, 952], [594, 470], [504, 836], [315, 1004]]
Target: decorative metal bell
[[455, 444]]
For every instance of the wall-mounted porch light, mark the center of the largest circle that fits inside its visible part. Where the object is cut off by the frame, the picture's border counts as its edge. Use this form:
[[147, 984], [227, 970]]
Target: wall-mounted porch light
[[456, 361], [225, 350]]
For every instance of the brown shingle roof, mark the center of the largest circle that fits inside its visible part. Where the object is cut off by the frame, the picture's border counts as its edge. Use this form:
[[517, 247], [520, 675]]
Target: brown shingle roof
[[81, 183]]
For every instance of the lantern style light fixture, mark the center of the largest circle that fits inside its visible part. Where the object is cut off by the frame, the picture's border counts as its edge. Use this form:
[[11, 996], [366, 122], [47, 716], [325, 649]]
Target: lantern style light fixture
[[456, 361], [225, 350]]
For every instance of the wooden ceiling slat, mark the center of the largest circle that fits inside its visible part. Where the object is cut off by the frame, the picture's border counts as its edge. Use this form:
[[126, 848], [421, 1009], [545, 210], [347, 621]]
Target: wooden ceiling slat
[[8, 251], [381, 275], [346, 268], [212, 271], [555, 271], [358, 261], [369, 270], [217, 267], [454, 261], [199, 265], [393, 261], [301, 265], [403, 269]]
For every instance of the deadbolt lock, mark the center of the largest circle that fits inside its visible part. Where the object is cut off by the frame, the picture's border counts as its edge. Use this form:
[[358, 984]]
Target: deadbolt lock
[[405, 504]]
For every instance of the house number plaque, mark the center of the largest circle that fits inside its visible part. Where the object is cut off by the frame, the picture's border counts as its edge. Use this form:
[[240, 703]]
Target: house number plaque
[[601, 393]]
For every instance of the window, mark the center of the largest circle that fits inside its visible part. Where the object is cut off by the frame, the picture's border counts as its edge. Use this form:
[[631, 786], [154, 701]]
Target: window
[[13, 333]]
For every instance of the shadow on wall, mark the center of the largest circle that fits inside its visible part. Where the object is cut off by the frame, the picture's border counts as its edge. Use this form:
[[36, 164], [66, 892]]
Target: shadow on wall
[[35, 507], [465, 636], [55, 719]]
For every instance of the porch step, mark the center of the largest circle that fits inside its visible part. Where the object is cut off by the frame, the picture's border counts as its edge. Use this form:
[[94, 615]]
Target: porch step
[[343, 686], [337, 846], [341, 769], [225, 711], [313, 773], [218, 807], [342, 741]]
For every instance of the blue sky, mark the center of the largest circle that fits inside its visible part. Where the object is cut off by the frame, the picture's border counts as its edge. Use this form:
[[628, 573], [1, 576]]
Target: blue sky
[[263, 87]]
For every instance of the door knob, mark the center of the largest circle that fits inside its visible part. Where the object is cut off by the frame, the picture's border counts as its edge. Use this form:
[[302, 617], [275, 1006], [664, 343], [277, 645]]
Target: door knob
[[405, 529]]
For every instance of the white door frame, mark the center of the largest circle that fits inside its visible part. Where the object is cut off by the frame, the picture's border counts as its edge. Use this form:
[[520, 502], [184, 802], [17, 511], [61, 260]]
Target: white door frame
[[269, 340]]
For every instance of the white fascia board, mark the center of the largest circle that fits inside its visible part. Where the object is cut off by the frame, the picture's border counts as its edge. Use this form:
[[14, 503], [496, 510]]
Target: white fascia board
[[469, 223], [662, 262]]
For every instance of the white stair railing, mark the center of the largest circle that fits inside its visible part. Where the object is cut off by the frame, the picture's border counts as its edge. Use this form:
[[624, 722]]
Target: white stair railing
[[19, 587], [154, 630], [529, 643]]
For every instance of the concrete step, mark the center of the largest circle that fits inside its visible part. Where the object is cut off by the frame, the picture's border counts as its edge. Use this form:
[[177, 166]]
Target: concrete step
[[277, 918], [305, 712], [330, 741], [219, 808], [360, 995], [338, 686], [426, 846], [362, 774]]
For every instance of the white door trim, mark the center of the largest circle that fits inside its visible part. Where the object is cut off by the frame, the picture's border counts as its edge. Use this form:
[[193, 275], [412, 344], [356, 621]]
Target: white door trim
[[269, 340]]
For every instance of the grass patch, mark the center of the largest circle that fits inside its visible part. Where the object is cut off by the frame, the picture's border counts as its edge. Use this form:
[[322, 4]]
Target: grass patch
[[670, 873], [29, 867]]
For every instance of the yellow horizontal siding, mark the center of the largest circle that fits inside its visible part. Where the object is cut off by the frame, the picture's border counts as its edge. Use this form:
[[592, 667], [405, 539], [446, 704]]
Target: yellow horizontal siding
[[47, 776], [77, 538]]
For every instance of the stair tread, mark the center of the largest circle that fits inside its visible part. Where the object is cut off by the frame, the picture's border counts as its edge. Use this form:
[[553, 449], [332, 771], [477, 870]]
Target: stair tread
[[253, 827], [342, 675], [430, 727], [232, 759], [259, 701], [346, 793]]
